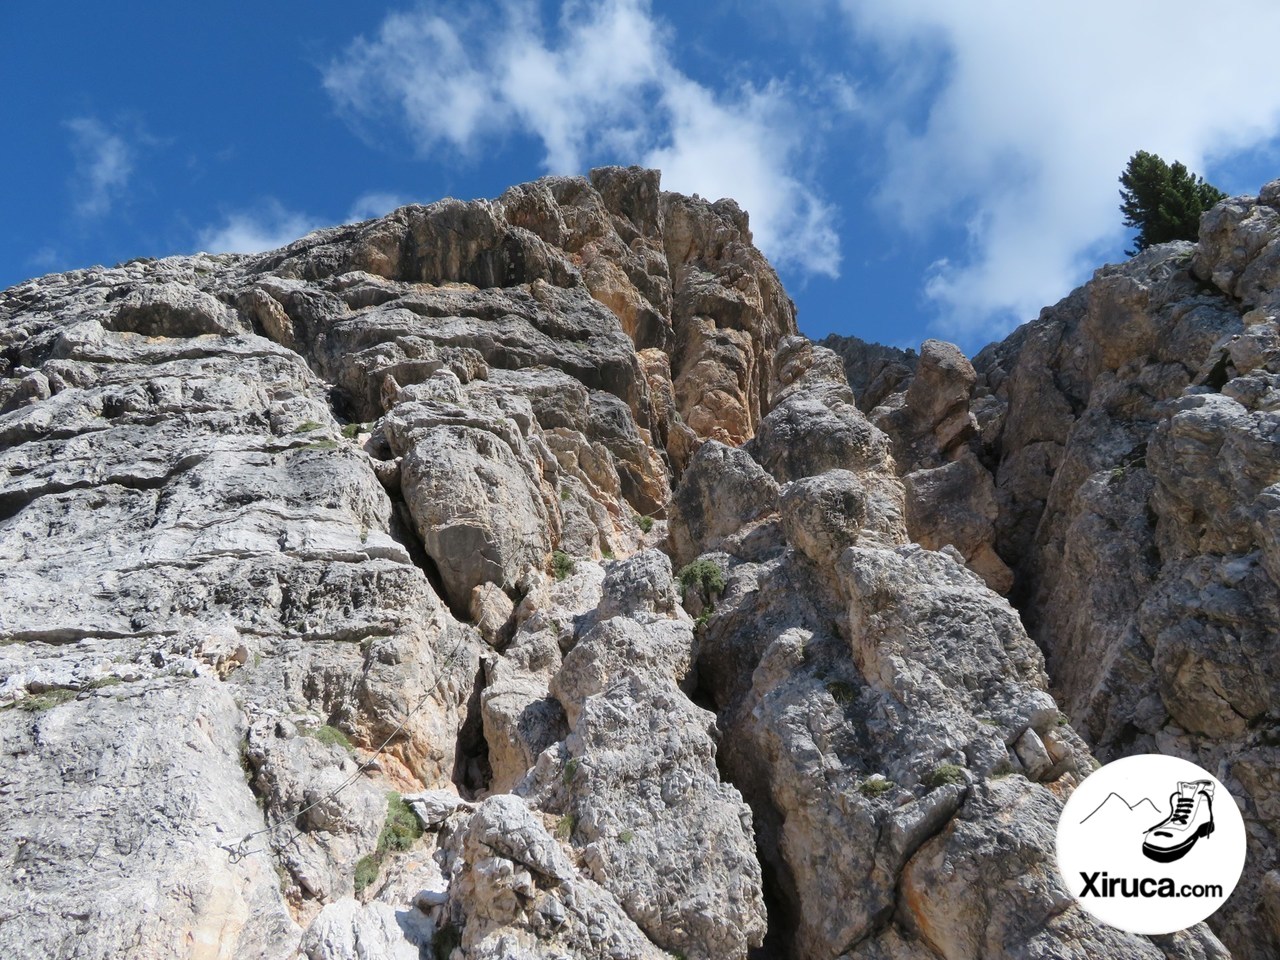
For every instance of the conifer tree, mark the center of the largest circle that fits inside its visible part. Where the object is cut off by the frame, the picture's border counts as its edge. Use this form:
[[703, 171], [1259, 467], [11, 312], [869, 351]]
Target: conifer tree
[[1163, 202]]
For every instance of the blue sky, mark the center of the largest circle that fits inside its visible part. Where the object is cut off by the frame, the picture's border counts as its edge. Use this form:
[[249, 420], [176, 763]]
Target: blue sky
[[914, 169]]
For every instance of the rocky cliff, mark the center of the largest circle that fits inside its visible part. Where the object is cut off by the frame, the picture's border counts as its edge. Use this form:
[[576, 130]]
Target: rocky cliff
[[508, 579], [1120, 457]]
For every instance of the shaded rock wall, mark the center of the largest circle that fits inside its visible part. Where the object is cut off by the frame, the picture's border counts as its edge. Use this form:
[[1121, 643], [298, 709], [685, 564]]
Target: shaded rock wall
[[1127, 458]]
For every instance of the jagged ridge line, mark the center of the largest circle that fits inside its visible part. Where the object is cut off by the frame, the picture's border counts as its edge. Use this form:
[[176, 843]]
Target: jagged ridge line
[[1131, 806]]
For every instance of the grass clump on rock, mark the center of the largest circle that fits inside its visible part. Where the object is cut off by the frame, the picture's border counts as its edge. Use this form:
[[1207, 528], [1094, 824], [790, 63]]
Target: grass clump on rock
[[400, 829], [367, 871], [875, 786], [329, 735], [943, 774], [46, 700], [571, 770], [842, 693], [561, 564]]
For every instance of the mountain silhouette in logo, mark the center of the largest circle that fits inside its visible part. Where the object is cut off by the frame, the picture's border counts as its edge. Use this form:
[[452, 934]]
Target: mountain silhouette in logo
[[1117, 807]]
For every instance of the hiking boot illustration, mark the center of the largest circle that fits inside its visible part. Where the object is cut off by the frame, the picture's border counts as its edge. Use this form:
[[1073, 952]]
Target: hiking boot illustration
[[1190, 818]]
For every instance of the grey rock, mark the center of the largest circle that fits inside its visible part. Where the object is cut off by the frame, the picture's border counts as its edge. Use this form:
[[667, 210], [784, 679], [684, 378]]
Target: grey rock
[[873, 370], [277, 538], [514, 892], [927, 409], [636, 779], [823, 515], [722, 492], [349, 930], [947, 887], [294, 773], [173, 310], [124, 785], [434, 807], [813, 427], [955, 505], [1133, 446]]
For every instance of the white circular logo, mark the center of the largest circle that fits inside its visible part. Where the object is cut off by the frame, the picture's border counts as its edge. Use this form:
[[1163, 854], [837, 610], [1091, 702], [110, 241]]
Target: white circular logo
[[1151, 844]]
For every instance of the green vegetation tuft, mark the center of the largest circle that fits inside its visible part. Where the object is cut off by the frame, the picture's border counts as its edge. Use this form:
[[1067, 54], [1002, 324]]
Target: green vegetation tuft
[[59, 695], [644, 523], [571, 770], [626, 836], [306, 426], [842, 693], [352, 430], [875, 787], [367, 871], [325, 444], [564, 829], [704, 574], [330, 735], [943, 774], [565, 493], [561, 564], [46, 700], [400, 829]]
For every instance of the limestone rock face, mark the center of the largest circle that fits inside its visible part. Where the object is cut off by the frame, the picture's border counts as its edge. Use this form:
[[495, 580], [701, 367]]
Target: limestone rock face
[[513, 892], [1110, 467], [1137, 454], [724, 493], [925, 404], [874, 371], [508, 579], [251, 506], [636, 781], [872, 693]]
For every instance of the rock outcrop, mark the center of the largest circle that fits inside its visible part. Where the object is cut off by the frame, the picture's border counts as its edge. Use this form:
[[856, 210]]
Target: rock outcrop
[[1122, 456], [1137, 485], [509, 579]]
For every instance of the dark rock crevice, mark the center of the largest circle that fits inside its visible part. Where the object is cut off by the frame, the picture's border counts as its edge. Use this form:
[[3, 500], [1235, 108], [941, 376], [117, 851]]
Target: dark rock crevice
[[471, 770]]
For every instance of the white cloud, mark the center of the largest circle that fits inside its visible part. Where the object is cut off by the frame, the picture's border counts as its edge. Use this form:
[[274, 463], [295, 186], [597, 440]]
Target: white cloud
[[1035, 111], [600, 87], [416, 71], [266, 227], [742, 150], [375, 204], [592, 89], [46, 258], [104, 163]]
